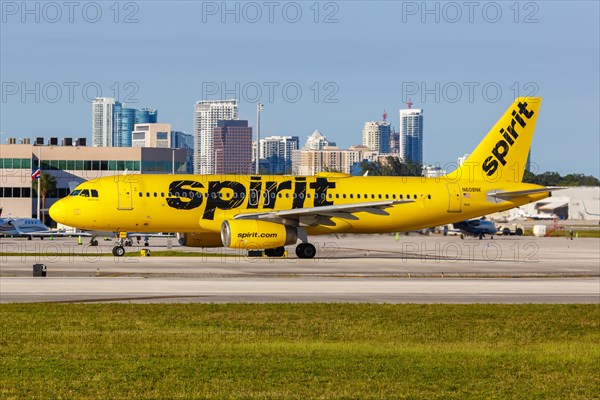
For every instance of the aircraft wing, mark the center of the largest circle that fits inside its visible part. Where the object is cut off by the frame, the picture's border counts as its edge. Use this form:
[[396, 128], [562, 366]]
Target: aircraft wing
[[507, 195], [322, 215]]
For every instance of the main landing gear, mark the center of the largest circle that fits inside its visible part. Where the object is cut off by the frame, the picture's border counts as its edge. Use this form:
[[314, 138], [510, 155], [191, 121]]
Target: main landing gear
[[306, 250]]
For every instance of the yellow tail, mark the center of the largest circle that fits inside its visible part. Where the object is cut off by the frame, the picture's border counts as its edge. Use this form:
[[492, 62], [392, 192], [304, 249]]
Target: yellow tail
[[502, 155]]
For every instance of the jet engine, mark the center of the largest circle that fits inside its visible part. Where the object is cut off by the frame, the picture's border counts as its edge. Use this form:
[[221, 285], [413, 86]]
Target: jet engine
[[254, 234]]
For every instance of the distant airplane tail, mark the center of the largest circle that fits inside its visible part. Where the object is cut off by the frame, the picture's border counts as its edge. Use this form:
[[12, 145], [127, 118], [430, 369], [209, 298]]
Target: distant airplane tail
[[502, 154]]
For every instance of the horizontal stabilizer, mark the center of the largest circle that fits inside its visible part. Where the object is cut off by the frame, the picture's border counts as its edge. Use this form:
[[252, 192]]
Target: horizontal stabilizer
[[507, 195]]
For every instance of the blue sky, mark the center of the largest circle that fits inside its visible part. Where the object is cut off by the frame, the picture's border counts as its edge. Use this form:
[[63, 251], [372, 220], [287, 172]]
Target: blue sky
[[329, 66]]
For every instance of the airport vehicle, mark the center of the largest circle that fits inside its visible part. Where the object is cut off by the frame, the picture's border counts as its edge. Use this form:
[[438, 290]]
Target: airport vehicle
[[269, 212], [476, 227], [511, 229]]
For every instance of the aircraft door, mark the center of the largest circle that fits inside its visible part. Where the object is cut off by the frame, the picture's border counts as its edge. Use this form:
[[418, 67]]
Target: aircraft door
[[125, 196], [454, 197]]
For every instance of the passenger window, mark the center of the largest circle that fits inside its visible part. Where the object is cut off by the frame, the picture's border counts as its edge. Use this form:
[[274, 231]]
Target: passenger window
[[147, 194], [351, 196], [394, 196], [414, 196], [155, 194], [162, 194], [344, 195], [429, 196], [85, 193], [387, 196], [358, 196], [337, 195], [372, 196], [401, 197], [380, 196], [141, 194], [94, 193]]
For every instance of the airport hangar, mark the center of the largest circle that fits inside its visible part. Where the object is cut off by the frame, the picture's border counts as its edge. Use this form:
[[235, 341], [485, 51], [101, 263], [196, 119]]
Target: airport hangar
[[71, 164]]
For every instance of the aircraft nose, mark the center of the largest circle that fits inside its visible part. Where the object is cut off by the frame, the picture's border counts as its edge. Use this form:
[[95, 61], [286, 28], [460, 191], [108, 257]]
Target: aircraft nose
[[57, 211]]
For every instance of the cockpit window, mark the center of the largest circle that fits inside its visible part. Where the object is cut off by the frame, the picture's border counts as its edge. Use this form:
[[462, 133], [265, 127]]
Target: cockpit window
[[94, 192], [85, 193], [75, 193]]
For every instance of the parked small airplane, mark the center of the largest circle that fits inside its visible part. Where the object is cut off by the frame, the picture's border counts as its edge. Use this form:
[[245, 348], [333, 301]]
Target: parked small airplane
[[27, 227], [476, 227]]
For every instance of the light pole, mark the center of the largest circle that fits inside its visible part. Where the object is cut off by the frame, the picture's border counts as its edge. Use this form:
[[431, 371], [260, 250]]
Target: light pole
[[259, 108]]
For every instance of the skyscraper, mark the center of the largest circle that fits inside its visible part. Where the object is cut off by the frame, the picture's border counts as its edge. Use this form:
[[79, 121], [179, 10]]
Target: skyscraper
[[277, 153], [233, 147], [112, 122], [102, 122], [411, 134], [316, 141], [376, 136], [206, 115]]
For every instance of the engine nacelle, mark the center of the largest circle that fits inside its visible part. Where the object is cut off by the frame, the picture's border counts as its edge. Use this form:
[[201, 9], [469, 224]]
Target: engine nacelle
[[200, 239], [253, 234]]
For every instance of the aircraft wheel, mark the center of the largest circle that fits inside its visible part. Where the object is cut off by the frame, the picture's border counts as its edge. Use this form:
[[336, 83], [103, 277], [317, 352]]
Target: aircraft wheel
[[519, 232], [480, 236], [276, 252], [29, 238], [306, 250], [146, 244], [118, 251], [94, 242]]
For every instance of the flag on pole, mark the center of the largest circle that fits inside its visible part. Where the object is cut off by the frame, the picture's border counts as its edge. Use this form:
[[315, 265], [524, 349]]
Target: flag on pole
[[36, 174]]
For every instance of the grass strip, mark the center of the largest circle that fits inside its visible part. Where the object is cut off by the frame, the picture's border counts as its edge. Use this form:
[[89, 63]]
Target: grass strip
[[295, 351]]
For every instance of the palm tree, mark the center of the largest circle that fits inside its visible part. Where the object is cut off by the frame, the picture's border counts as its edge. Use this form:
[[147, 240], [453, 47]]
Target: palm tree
[[47, 189]]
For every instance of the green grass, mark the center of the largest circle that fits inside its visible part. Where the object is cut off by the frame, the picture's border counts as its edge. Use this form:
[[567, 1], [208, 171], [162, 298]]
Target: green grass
[[290, 351]]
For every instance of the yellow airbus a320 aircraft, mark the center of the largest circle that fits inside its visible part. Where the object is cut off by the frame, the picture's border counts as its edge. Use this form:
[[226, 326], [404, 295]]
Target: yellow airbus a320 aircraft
[[269, 212]]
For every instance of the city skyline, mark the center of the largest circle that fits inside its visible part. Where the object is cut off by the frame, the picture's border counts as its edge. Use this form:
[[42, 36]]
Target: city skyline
[[462, 68]]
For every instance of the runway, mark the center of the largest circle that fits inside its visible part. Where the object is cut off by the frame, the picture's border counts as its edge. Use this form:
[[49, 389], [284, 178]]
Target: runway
[[375, 269]]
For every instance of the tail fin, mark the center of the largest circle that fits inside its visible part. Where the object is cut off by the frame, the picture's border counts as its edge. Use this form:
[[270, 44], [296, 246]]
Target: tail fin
[[502, 154]]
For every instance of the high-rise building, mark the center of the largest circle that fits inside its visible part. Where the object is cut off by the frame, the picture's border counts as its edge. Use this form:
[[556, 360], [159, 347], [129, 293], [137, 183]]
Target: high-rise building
[[102, 122], [151, 135], [376, 136], [411, 134], [276, 151], [112, 122], [316, 141], [182, 140], [233, 147], [206, 115]]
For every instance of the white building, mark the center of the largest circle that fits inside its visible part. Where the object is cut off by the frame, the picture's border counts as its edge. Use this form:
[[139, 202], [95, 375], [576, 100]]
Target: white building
[[206, 115], [411, 134], [102, 122], [277, 153], [376, 136], [316, 141]]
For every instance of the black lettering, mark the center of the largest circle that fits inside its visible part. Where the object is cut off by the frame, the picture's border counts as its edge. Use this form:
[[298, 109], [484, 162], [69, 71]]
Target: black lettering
[[299, 193], [501, 154], [321, 185], [511, 129], [273, 190], [506, 136], [524, 111], [180, 190], [215, 201], [490, 166], [254, 195], [519, 119]]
